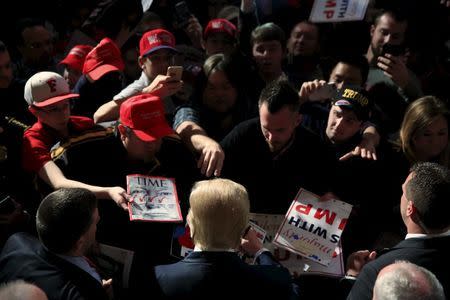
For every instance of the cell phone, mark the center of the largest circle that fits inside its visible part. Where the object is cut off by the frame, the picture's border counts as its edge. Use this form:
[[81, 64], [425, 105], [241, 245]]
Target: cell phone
[[394, 50], [182, 13], [326, 91], [7, 205], [176, 72]]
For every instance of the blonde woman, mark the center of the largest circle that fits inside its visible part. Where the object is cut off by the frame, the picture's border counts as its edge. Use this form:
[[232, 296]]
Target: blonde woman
[[424, 131]]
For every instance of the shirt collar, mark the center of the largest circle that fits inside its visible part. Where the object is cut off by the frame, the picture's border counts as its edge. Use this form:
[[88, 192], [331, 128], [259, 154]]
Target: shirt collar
[[424, 235]]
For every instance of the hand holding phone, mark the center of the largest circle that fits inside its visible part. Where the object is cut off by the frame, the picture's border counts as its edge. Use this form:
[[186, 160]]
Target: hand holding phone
[[394, 50], [175, 72], [324, 92]]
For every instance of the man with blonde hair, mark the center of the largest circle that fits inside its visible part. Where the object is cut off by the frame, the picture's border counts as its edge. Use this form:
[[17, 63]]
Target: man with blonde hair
[[218, 218]]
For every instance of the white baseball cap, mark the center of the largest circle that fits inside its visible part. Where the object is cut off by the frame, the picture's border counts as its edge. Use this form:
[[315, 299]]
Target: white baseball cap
[[47, 88]]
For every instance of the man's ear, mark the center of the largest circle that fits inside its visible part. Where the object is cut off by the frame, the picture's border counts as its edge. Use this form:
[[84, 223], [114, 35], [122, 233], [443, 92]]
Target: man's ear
[[372, 30], [410, 209], [141, 61], [189, 222], [122, 131]]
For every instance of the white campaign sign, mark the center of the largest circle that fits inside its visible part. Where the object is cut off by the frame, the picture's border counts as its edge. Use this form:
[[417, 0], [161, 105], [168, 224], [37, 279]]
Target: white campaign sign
[[296, 264], [313, 228], [338, 10]]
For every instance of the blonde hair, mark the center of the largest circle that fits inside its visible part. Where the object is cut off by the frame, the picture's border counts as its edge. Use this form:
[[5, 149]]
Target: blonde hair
[[218, 213], [420, 114]]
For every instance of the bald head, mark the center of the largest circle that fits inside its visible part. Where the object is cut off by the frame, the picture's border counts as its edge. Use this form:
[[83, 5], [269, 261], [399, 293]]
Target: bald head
[[21, 290], [403, 280]]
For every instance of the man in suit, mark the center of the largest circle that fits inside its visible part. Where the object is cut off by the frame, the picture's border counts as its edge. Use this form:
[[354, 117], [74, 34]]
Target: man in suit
[[217, 218], [66, 223], [424, 209]]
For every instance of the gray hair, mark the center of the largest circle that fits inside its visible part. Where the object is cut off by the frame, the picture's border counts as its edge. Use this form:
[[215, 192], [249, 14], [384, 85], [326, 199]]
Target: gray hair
[[407, 281]]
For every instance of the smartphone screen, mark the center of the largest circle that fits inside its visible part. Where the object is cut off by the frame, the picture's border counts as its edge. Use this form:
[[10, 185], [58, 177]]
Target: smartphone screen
[[394, 50], [176, 72]]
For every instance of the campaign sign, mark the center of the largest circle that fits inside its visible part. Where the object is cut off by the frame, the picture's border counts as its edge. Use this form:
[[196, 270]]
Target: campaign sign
[[296, 264], [313, 228], [338, 10], [153, 199]]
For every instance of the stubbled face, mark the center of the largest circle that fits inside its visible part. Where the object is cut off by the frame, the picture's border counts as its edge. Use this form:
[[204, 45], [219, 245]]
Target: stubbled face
[[37, 50], [56, 115], [278, 128], [429, 143], [386, 31], [342, 124], [138, 149], [304, 40], [156, 63], [345, 74], [268, 56], [6, 72], [219, 95]]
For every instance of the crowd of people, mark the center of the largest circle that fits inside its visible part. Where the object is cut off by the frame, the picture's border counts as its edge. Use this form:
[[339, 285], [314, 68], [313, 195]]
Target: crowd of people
[[268, 103]]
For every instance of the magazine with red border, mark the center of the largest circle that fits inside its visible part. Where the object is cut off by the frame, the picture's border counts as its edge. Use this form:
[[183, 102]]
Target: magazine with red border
[[153, 199]]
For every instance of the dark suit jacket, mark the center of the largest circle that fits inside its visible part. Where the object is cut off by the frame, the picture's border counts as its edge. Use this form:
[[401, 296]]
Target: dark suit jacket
[[223, 275], [24, 257], [430, 253]]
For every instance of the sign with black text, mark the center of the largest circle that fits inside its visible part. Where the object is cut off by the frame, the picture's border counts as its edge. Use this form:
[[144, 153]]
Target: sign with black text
[[338, 10], [313, 228], [153, 199]]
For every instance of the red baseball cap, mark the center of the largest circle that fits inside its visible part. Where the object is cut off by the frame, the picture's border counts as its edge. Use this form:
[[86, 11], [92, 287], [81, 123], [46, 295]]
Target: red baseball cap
[[144, 114], [75, 58], [46, 88], [156, 39], [104, 58], [220, 26]]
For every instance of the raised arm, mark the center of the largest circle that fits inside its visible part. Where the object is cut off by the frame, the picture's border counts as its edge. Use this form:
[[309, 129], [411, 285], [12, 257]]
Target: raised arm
[[53, 176]]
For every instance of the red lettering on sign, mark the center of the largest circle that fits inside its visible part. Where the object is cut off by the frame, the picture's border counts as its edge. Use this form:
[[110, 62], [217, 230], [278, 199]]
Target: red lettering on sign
[[342, 224], [328, 218], [330, 3], [328, 13], [303, 209]]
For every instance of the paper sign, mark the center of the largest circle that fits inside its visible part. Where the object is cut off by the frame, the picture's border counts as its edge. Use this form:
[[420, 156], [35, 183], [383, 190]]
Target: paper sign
[[260, 232], [296, 264], [313, 228], [153, 199], [338, 10]]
